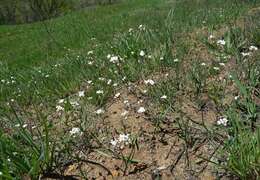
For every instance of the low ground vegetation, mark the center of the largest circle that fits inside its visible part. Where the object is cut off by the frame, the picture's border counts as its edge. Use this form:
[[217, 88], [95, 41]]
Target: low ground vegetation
[[171, 92]]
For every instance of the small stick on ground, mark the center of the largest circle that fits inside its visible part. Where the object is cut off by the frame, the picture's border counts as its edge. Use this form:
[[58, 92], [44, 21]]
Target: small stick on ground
[[177, 160], [97, 164]]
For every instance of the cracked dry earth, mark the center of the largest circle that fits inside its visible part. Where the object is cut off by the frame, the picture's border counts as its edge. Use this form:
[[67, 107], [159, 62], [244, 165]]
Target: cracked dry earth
[[161, 152]]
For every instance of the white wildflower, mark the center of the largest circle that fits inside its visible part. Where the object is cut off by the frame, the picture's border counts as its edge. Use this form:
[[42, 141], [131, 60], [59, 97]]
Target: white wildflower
[[142, 53], [117, 95], [253, 48], [59, 108], [245, 54], [101, 79], [203, 64], [25, 125], [211, 36], [75, 131], [114, 142], [236, 97], [81, 93], [222, 121], [100, 111], [56, 65], [123, 138], [115, 85], [126, 102], [100, 92], [164, 97], [176, 60], [145, 91], [222, 64], [108, 56], [130, 30], [114, 59], [109, 82], [124, 113], [140, 101], [90, 62], [61, 101], [149, 81], [90, 52], [141, 27], [74, 103], [221, 42], [216, 68], [141, 110]]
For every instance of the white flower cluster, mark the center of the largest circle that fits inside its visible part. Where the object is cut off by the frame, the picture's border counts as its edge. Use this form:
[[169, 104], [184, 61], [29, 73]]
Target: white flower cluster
[[117, 95], [113, 59], [74, 104], [100, 92], [142, 53], [149, 82], [141, 110], [222, 121], [176, 60], [216, 68], [164, 97], [141, 27], [123, 139], [81, 93], [75, 131], [100, 111], [221, 42], [211, 36], [247, 54], [253, 48], [59, 108]]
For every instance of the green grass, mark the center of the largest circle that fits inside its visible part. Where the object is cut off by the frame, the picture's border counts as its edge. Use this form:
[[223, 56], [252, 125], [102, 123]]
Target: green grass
[[36, 46], [41, 45], [46, 61]]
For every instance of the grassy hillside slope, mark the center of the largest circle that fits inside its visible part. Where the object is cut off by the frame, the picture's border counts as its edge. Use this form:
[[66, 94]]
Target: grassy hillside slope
[[134, 90], [33, 44]]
